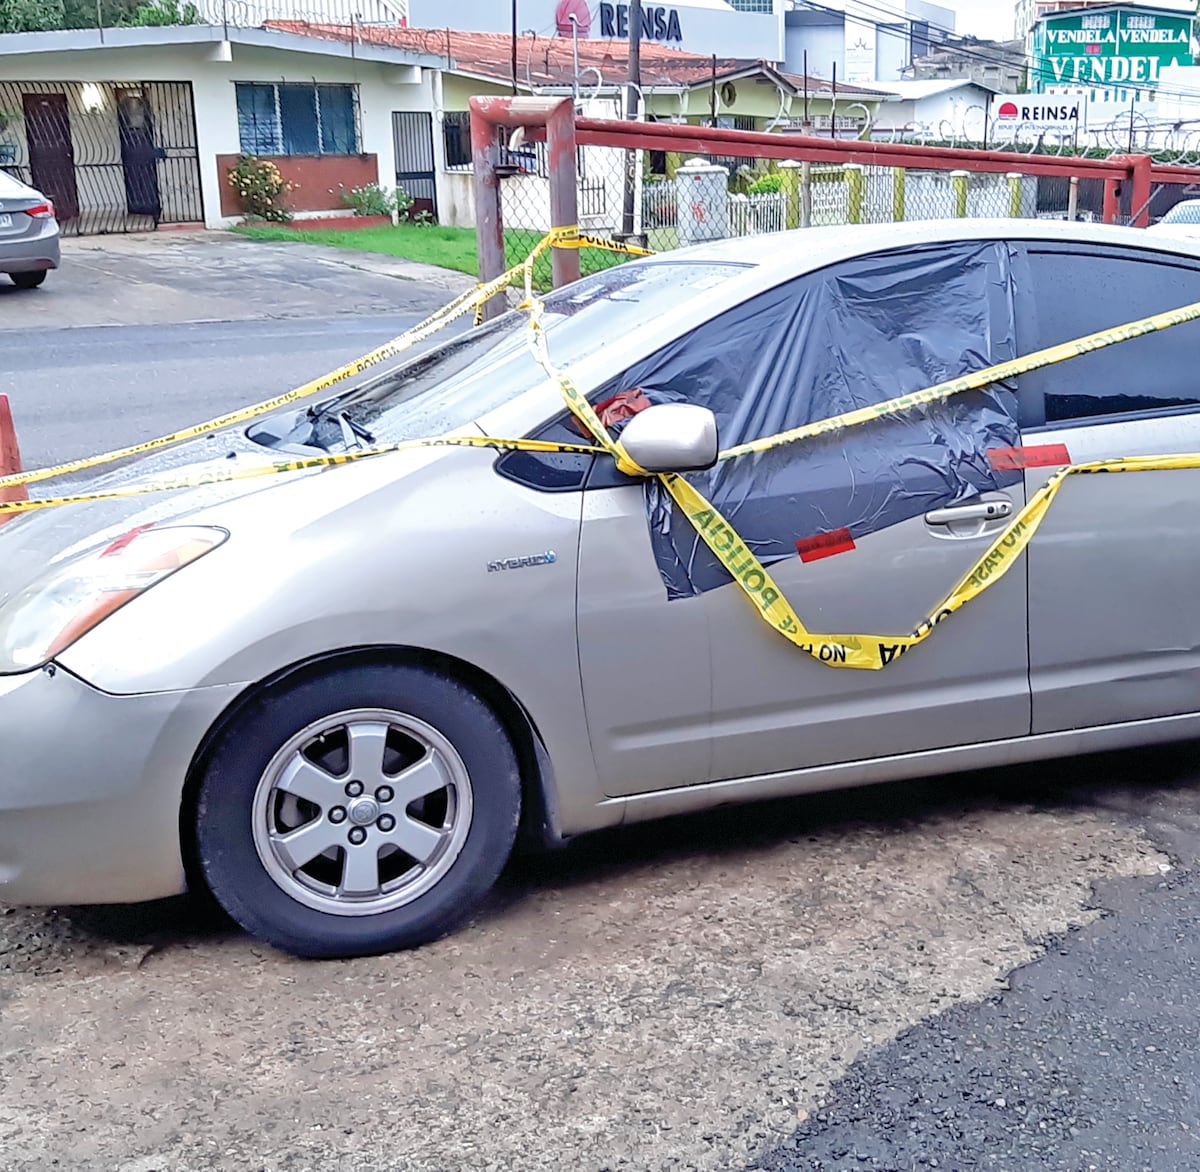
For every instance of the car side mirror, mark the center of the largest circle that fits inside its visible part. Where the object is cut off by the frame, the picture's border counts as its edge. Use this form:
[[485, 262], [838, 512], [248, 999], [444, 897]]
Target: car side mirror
[[672, 437]]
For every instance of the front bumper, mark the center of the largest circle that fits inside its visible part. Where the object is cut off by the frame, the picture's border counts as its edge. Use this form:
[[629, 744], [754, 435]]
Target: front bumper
[[90, 788]]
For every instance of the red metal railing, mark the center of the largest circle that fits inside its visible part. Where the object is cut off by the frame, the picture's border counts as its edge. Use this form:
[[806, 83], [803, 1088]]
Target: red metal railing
[[553, 121]]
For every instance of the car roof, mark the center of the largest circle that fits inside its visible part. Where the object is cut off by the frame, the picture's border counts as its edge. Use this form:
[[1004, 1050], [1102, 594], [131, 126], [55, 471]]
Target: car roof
[[803, 250]]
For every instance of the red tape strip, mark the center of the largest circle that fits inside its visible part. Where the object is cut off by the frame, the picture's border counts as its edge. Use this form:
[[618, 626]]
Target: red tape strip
[[824, 545], [1038, 456]]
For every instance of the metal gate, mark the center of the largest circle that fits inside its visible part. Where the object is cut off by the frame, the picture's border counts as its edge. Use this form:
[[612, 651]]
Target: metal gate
[[412, 132], [111, 156]]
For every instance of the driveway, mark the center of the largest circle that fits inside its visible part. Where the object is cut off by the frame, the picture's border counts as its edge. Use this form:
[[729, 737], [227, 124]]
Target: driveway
[[174, 277]]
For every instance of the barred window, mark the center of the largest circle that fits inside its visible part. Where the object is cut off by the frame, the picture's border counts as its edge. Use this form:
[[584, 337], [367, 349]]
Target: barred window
[[456, 130], [529, 159], [297, 119]]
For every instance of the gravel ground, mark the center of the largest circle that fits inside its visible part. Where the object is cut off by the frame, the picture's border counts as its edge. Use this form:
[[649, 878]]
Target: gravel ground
[[674, 996]]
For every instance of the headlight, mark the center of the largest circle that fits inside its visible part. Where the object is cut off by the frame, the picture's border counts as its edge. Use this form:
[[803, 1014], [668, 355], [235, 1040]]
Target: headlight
[[71, 597]]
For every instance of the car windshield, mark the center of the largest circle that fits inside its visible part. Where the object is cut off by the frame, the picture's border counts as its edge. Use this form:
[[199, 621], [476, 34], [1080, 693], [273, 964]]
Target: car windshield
[[482, 368], [1183, 213]]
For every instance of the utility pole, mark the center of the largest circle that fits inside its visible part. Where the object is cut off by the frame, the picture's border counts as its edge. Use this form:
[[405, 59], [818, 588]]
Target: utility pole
[[633, 159], [514, 47]]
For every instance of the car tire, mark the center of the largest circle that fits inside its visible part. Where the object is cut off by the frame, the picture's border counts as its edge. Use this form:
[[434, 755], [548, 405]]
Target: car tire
[[28, 280], [403, 777]]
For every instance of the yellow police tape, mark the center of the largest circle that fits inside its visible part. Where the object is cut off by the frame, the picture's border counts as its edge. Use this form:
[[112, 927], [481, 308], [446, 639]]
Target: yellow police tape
[[461, 305], [870, 652]]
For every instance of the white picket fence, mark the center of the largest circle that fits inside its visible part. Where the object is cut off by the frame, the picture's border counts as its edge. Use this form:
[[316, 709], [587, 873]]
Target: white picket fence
[[752, 215]]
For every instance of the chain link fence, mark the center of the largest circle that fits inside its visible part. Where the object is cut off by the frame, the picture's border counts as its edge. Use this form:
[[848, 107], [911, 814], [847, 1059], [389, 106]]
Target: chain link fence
[[666, 199], [678, 200]]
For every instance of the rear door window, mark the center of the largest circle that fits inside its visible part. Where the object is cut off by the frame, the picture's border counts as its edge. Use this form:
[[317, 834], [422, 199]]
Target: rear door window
[[1078, 293]]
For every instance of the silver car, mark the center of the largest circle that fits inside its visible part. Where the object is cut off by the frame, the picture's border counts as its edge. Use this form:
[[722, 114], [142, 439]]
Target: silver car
[[29, 237], [336, 699], [1183, 220]]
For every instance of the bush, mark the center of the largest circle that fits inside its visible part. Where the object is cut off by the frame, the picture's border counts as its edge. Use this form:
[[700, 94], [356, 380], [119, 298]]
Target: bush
[[261, 189], [767, 185], [372, 200]]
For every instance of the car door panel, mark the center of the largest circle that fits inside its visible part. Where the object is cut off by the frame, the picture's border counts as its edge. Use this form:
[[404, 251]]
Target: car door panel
[[645, 662], [1114, 629], [730, 697], [966, 683], [1114, 626]]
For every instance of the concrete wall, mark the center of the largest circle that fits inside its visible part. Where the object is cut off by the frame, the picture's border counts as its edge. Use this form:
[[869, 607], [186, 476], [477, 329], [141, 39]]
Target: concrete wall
[[456, 199], [317, 179]]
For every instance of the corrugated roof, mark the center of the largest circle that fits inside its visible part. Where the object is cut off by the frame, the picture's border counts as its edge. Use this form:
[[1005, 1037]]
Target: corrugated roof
[[549, 61]]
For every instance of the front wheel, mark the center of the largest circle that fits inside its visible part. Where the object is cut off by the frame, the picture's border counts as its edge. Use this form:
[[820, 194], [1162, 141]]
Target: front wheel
[[28, 280], [365, 810]]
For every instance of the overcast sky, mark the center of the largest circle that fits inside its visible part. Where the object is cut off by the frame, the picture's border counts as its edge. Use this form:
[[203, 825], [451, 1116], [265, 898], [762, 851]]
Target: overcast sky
[[983, 18]]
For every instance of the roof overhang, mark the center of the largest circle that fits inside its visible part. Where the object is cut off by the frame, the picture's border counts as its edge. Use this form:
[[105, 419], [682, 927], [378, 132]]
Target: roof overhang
[[211, 35]]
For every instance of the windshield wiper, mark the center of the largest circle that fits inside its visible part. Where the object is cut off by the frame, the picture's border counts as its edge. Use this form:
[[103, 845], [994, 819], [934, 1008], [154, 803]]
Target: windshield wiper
[[353, 433]]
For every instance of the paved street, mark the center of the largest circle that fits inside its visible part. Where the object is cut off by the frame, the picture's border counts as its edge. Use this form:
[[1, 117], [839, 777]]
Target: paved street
[[919, 974], [135, 336]]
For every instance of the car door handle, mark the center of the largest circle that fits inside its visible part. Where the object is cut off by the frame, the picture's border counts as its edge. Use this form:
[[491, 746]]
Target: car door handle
[[975, 511]]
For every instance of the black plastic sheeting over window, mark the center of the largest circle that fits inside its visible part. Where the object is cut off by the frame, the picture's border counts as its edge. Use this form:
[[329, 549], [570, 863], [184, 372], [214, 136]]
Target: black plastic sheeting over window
[[855, 334]]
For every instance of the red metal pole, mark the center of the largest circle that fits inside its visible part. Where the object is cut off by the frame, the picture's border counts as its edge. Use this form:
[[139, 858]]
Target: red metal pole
[[564, 197], [489, 225], [1143, 170], [10, 458]]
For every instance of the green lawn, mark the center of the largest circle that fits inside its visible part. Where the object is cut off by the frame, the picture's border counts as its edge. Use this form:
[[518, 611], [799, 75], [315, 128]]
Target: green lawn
[[449, 248]]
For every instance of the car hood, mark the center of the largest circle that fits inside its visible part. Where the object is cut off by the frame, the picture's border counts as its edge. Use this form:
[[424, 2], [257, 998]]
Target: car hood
[[31, 541]]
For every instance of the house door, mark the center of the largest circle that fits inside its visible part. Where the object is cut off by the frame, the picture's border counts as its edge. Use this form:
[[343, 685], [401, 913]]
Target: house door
[[412, 131], [139, 157], [51, 156]]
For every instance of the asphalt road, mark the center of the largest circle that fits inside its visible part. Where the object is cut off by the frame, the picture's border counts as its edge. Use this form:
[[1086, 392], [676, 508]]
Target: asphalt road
[[989, 971], [135, 336], [90, 389]]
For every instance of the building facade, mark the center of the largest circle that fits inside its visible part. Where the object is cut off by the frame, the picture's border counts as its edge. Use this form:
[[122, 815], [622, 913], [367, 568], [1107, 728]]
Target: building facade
[[858, 42], [704, 27], [117, 152], [1107, 46], [999, 65]]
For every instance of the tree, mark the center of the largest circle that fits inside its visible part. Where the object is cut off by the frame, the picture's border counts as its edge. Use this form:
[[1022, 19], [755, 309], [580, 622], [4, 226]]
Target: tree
[[164, 12], [31, 16], [83, 13]]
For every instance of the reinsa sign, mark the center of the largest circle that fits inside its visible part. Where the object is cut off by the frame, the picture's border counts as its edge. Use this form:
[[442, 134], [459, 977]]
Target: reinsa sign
[[1106, 48], [658, 24]]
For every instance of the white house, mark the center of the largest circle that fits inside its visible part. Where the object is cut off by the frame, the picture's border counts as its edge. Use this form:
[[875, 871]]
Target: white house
[[942, 110], [136, 127]]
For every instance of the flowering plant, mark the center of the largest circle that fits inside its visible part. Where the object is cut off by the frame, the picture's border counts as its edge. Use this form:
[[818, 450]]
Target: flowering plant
[[261, 188]]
